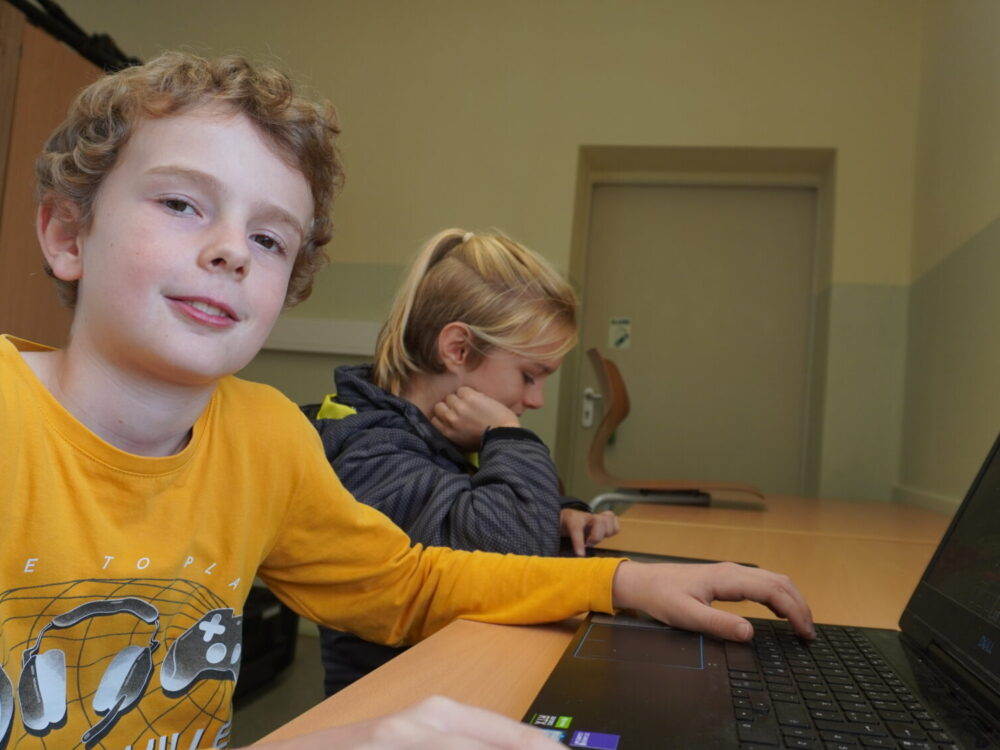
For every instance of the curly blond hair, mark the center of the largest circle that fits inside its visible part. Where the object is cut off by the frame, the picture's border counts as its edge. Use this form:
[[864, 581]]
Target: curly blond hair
[[508, 296], [83, 149]]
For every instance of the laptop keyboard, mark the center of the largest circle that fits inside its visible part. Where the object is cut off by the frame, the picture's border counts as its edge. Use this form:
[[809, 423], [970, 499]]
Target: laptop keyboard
[[835, 693]]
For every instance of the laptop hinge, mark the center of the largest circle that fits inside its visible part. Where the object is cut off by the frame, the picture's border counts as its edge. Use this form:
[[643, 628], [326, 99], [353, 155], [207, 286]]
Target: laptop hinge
[[966, 682]]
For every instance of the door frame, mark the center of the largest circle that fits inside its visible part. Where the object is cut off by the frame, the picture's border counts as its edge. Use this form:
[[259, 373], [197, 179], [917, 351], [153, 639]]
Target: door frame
[[706, 167]]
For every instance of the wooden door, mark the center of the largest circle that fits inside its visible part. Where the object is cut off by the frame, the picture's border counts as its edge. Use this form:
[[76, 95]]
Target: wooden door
[[44, 75], [715, 283]]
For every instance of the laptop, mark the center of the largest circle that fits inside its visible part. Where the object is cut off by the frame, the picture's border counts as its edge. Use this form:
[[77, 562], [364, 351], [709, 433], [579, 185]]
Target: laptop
[[627, 682]]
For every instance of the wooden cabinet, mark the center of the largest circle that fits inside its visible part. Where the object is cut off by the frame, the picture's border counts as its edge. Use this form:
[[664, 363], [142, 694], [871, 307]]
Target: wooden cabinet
[[39, 77]]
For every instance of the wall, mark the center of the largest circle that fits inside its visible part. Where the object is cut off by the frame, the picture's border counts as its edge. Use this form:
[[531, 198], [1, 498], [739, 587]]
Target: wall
[[952, 406], [473, 113]]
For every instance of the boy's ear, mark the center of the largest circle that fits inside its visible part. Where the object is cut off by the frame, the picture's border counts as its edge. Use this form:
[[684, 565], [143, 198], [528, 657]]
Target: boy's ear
[[454, 344], [58, 228]]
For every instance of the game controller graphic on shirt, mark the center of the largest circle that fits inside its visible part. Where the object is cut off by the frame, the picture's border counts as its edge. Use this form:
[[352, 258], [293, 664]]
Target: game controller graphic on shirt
[[209, 648], [6, 706]]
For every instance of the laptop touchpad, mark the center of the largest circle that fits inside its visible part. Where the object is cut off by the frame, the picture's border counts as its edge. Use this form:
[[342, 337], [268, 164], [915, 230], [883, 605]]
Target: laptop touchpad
[[647, 643]]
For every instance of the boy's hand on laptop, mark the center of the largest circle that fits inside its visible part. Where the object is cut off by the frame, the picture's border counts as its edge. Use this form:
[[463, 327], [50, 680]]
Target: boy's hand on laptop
[[681, 595], [463, 416], [433, 724], [586, 529]]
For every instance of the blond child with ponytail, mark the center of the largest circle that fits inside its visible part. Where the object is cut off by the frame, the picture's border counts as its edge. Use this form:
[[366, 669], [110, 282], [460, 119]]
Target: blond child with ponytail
[[431, 434]]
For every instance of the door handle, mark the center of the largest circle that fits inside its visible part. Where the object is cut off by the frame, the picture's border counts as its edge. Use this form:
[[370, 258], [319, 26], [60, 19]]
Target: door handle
[[589, 397]]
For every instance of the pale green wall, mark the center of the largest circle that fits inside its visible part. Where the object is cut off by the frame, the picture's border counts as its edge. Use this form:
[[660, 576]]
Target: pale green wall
[[862, 328], [952, 406], [472, 112], [958, 177]]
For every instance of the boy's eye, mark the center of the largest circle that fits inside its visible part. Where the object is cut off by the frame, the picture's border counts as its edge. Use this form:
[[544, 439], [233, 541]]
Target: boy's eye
[[528, 379], [269, 243], [178, 205]]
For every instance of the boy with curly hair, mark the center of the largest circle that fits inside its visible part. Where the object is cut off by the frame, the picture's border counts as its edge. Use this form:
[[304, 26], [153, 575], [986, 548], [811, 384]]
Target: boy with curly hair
[[181, 206]]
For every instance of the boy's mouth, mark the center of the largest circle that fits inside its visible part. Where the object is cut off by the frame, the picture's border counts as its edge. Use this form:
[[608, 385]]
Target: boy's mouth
[[207, 311]]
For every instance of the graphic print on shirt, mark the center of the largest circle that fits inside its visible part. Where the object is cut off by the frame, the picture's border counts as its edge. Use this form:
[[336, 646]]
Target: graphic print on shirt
[[105, 663]]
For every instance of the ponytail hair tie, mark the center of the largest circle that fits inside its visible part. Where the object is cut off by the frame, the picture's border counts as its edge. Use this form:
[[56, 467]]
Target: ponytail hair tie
[[467, 236]]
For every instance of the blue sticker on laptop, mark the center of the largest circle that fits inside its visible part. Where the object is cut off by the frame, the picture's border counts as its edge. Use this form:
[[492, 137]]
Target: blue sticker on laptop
[[595, 740], [556, 734]]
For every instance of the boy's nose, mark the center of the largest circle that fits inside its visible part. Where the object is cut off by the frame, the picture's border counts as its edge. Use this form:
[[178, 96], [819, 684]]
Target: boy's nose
[[534, 398], [227, 251]]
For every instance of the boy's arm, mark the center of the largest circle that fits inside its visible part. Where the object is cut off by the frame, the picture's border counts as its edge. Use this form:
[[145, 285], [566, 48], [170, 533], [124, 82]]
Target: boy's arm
[[511, 504], [343, 564]]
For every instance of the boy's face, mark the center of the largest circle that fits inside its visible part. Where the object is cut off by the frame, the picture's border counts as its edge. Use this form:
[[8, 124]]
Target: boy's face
[[516, 382], [184, 267]]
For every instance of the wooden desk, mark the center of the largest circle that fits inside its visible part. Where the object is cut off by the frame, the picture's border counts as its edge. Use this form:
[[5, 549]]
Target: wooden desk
[[861, 580], [805, 515]]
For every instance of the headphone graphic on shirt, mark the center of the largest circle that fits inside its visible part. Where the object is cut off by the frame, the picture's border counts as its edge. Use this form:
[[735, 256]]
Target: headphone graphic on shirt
[[41, 688]]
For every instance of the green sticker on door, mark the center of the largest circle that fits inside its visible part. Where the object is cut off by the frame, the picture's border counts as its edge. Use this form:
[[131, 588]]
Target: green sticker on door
[[620, 333]]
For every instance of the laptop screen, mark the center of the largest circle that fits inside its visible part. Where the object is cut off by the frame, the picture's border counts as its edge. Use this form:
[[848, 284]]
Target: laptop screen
[[957, 603]]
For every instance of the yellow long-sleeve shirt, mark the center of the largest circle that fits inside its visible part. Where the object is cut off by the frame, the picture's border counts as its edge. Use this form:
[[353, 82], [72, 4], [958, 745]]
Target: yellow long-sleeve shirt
[[124, 576]]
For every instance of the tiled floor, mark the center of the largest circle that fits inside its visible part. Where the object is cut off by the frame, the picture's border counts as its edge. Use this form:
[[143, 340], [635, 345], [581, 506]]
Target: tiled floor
[[296, 689]]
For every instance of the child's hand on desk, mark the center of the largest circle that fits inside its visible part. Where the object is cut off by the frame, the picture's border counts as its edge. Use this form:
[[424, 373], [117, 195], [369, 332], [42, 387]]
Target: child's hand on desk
[[464, 415], [586, 529], [433, 724], [681, 595]]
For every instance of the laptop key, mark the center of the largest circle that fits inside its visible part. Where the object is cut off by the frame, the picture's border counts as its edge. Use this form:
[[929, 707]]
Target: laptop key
[[791, 715], [873, 730], [816, 695], [862, 716], [821, 705], [835, 679], [841, 737], [901, 716], [869, 728], [758, 732], [740, 656], [802, 742], [807, 733], [829, 715], [905, 731], [876, 742], [783, 697]]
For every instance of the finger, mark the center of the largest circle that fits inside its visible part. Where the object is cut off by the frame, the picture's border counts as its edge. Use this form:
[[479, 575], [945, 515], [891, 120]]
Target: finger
[[440, 424], [576, 536], [596, 531], [412, 733], [775, 591], [695, 615], [477, 723], [442, 410], [612, 520]]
